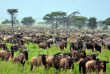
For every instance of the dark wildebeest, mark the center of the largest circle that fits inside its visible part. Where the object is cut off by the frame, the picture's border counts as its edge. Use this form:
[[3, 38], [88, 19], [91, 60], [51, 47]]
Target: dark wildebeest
[[3, 46], [90, 45], [63, 62], [17, 47], [108, 46], [14, 47], [6, 54], [76, 46], [84, 60], [97, 43], [21, 58], [78, 55], [98, 46], [44, 45], [96, 65], [63, 45]]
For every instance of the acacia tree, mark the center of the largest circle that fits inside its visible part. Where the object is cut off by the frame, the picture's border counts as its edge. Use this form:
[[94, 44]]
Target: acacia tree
[[12, 13], [54, 18], [107, 21], [28, 21], [6, 21], [79, 21], [92, 23], [70, 16]]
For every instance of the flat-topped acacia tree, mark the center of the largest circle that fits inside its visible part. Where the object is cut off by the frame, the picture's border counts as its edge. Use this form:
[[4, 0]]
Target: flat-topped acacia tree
[[12, 12]]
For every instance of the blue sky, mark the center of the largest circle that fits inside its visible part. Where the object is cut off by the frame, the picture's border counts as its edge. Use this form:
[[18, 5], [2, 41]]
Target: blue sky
[[38, 8]]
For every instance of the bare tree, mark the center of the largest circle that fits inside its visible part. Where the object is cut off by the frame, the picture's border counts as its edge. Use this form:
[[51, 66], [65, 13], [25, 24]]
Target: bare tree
[[69, 18]]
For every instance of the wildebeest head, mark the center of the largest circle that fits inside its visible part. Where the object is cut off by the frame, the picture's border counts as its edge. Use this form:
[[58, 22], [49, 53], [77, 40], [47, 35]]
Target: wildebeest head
[[43, 57], [2, 45], [83, 53], [48, 44], [25, 53], [103, 65]]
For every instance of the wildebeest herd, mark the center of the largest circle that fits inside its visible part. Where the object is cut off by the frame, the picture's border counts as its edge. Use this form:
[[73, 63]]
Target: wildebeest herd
[[78, 44]]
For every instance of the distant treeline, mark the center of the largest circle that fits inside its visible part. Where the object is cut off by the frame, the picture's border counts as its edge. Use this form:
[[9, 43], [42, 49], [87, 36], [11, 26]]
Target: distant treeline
[[61, 19]]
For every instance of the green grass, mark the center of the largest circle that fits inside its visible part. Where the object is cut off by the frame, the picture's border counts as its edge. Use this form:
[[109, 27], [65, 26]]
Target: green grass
[[8, 67]]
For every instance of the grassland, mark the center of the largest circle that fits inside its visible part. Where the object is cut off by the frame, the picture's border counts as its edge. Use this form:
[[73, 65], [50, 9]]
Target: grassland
[[8, 67]]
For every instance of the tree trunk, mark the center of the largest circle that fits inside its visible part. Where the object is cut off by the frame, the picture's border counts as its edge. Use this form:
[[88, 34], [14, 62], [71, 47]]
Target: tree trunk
[[68, 23], [12, 22]]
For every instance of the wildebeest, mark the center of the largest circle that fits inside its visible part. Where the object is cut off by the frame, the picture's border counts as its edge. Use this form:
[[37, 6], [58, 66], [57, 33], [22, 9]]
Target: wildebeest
[[78, 55], [84, 60], [38, 61], [6, 54], [97, 47], [3, 46], [44, 45], [90, 45], [63, 62], [17, 47], [63, 45], [21, 58], [76, 46], [96, 65], [108, 46]]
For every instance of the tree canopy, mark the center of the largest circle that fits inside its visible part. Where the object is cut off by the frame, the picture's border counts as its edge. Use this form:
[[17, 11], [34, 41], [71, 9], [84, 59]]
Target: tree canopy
[[54, 17], [79, 21], [6, 22], [12, 11], [92, 23], [107, 21], [28, 21]]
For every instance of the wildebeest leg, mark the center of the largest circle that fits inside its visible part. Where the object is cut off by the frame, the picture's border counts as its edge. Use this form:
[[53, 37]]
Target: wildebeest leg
[[31, 67], [23, 64], [79, 68], [72, 67], [84, 70]]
